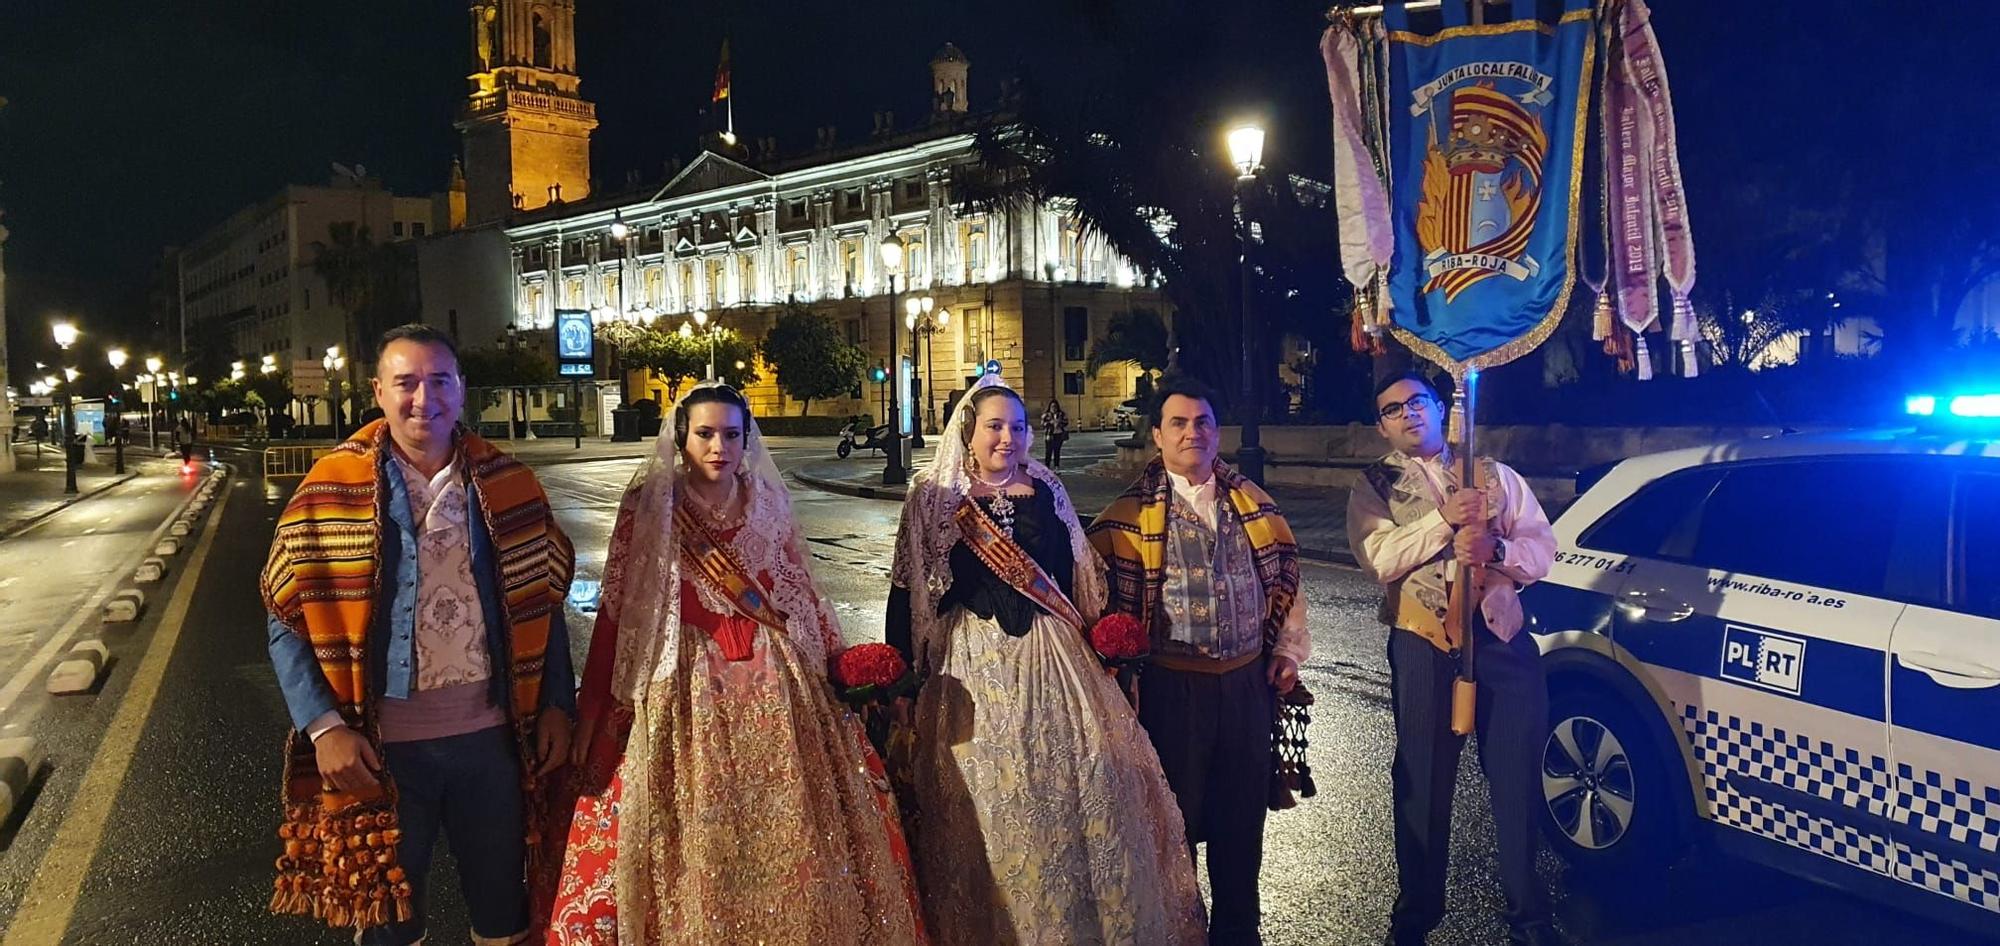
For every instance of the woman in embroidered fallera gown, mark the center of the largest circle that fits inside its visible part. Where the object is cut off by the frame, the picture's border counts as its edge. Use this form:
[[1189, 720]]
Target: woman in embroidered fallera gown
[[1042, 817], [745, 805]]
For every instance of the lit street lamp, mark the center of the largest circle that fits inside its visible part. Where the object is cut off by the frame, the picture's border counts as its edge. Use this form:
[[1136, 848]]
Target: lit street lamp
[[922, 323], [66, 334], [1246, 152], [153, 366], [334, 364], [701, 321], [896, 473], [117, 358]]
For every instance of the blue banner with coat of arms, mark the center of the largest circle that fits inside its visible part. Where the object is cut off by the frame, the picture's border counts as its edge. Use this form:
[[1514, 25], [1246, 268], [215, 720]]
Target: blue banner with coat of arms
[[1485, 154]]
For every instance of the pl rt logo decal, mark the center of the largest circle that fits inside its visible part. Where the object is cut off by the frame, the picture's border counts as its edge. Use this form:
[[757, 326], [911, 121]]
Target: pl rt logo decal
[[1762, 658]]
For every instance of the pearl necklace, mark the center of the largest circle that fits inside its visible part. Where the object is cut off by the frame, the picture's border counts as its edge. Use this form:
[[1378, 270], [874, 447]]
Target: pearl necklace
[[717, 515]]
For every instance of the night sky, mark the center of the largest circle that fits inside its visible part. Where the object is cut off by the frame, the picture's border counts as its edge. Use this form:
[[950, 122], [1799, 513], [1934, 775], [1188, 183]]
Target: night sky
[[135, 125]]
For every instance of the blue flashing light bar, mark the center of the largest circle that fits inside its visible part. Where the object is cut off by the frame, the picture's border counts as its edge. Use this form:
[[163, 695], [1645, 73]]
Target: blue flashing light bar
[[1976, 405], [1982, 406]]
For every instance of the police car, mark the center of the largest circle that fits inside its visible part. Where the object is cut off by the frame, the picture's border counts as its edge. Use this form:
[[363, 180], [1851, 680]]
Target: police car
[[1790, 646]]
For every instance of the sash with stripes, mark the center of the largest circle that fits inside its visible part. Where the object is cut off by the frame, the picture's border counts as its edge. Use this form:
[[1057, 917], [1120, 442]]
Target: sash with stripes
[[717, 565], [1013, 564]]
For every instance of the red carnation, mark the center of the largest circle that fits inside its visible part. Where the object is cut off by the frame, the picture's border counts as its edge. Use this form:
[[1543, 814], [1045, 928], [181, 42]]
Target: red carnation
[[869, 665], [1118, 636]]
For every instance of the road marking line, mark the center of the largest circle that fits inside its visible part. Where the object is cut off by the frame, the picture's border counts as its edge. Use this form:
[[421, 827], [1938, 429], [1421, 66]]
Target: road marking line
[[50, 901]]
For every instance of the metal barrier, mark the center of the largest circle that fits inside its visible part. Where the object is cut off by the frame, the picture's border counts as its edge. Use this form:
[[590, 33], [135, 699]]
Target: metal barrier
[[292, 461]]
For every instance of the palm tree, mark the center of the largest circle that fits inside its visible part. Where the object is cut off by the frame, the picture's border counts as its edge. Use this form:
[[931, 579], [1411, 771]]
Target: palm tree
[[1139, 172], [1137, 338], [344, 262], [374, 282]]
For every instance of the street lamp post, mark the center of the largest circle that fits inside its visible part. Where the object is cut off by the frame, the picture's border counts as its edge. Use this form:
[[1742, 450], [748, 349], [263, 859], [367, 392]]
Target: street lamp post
[[701, 322], [1246, 152], [117, 358], [922, 322], [334, 362], [896, 473], [153, 366], [66, 334]]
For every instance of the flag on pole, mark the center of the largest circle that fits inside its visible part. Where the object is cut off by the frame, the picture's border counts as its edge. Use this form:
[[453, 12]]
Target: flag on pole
[[722, 75]]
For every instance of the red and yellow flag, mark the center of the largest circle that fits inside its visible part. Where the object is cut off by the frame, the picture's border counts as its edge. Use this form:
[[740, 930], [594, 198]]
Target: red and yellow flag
[[722, 75]]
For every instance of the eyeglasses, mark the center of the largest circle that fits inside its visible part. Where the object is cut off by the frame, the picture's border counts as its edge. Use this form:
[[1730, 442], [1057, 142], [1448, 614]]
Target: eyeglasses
[[1417, 402]]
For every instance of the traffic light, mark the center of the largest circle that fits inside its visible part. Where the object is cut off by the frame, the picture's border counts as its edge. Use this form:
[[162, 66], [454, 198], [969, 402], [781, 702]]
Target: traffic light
[[174, 395], [878, 374]]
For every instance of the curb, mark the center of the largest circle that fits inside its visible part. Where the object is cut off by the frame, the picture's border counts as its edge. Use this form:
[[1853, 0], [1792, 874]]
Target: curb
[[1334, 556], [25, 524]]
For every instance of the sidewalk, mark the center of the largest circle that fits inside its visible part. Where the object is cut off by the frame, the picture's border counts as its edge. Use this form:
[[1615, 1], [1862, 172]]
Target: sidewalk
[[1318, 515], [34, 491]]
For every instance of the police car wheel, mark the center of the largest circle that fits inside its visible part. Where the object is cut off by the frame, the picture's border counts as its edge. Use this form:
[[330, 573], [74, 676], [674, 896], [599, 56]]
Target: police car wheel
[[1605, 800]]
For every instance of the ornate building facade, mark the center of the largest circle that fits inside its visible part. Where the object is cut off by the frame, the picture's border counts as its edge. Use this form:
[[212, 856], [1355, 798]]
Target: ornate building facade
[[1026, 286]]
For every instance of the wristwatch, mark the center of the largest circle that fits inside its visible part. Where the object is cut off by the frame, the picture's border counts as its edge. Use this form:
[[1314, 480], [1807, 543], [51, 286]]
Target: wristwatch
[[1499, 550]]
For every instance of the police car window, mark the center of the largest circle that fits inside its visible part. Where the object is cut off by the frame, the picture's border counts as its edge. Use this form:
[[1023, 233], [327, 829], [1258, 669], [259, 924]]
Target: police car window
[[1656, 520], [1828, 523], [1976, 569]]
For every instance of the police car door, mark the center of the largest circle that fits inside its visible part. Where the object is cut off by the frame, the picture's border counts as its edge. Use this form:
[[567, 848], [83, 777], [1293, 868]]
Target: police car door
[[1762, 618], [1944, 712]]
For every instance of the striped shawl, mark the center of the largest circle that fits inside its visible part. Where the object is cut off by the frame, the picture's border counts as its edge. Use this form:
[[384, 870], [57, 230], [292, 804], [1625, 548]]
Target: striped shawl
[[1131, 535], [322, 581]]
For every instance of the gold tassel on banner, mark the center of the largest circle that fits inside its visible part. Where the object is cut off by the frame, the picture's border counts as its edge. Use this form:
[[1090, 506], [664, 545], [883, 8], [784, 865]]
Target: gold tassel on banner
[[1602, 318], [1455, 429]]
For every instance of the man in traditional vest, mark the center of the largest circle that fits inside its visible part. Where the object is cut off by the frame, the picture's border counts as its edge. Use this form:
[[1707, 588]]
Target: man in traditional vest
[[1412, 527], [1202, 557], [415, 589]]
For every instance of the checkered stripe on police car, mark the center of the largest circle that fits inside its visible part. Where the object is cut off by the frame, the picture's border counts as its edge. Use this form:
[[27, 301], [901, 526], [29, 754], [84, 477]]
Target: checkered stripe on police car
[[1728, 746], [1961, 811], [1951, 878]]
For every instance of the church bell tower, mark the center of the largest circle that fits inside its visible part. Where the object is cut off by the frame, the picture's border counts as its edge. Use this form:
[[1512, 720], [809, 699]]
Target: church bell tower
[[525, 126]]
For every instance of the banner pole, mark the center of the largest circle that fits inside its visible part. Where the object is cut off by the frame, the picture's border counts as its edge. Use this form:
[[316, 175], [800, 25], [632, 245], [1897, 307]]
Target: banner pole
[[1463, 607]]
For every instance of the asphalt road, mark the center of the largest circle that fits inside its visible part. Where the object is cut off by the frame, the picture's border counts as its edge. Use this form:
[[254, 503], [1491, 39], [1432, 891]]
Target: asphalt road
[[190, 768]]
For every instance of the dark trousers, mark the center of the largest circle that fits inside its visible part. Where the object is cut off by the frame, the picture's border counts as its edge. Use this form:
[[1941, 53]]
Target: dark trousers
[[1052, 450], [1513, 710], [468, 787], [1213, 734]]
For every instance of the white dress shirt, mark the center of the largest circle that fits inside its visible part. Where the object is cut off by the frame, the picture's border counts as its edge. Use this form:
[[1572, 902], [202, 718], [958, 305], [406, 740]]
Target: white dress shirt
[[1386, 551]]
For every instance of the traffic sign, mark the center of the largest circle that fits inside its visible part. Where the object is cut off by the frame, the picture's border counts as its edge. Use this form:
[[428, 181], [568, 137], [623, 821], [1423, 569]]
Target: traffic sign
[[308, 378]]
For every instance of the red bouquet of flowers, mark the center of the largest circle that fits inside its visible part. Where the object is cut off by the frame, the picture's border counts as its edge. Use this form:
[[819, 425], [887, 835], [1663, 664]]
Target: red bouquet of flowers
[[1118, 638], [871, 672]]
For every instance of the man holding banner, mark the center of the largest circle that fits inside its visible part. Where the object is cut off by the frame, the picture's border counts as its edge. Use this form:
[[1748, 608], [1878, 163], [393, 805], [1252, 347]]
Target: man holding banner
[[1461, 152], [1416, 529]]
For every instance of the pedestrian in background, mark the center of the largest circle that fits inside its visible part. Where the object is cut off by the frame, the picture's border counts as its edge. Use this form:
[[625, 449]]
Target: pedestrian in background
[[1414, 528], [1055, 428], [428, 694], [1206, 562]]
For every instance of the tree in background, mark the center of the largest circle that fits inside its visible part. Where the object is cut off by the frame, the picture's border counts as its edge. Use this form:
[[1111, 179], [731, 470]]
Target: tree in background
[[811, 357], [1137, 338], [273, 391], [731, 349], [667, 356], [376, 283], [505, 372]]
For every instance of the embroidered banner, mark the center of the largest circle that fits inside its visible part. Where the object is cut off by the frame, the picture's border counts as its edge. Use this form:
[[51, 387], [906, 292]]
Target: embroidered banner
[[1485, 143]]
